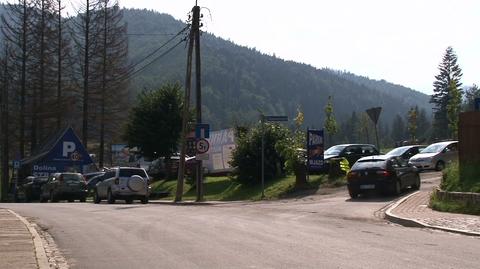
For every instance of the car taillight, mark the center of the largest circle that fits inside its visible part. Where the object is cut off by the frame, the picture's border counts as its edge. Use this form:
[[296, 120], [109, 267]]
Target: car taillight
[[117, 181], [352, 175], [383, 173]]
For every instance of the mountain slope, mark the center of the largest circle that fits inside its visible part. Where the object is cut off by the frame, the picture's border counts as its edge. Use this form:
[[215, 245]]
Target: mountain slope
[[238, 82]]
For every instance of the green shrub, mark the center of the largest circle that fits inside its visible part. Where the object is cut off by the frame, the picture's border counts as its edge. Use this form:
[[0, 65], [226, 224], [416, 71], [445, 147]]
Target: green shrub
[[466, 181], [247, 155]]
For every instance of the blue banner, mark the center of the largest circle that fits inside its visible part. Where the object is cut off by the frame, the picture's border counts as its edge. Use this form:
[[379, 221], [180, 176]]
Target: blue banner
[[315, 150]]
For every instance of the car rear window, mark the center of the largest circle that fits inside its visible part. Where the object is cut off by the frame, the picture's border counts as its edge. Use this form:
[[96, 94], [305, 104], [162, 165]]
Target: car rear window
[[370, 164], [132, 172], [71, 177]]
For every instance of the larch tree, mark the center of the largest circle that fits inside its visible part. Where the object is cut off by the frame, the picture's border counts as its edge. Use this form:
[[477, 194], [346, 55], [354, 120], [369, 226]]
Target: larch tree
[[330, 124]]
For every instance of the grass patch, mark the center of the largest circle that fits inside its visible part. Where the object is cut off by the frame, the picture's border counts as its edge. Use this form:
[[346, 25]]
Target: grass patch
[[453, 206], [226, 189], [466, 182]]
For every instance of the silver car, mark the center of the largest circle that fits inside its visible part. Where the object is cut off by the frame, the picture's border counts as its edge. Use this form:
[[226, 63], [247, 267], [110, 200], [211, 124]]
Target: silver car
[[126, 183], [436, 156]]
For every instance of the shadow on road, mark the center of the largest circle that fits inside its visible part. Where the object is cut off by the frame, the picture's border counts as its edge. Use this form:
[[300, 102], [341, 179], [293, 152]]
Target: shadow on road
[[375, 197]]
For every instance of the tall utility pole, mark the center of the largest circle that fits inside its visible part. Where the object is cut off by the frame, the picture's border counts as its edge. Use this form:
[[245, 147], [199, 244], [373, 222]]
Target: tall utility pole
[[194, 38], [104, 86], [4, 123], [198, 92]]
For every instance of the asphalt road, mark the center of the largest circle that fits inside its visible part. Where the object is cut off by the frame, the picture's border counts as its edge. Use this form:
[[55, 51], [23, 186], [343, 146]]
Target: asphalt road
[[319, 231]]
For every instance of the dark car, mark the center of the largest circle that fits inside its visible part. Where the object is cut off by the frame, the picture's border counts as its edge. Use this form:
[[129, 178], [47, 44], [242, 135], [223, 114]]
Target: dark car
[[64, 186], [31, 188], [94, 180], [351, 152], [403, 154], [89, 176], [382, 173]]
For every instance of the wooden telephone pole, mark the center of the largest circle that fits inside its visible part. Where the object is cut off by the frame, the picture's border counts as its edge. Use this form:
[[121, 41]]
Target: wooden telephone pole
[[194, 39]]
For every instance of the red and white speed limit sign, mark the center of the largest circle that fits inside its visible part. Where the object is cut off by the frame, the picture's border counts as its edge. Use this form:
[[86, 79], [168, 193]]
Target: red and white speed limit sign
[[202, 146]]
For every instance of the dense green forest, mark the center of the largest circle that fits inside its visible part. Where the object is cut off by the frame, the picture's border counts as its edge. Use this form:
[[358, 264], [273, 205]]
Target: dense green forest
[[238, 82]]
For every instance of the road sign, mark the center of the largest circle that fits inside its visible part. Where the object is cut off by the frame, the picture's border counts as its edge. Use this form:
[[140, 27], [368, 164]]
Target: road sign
[[374, 113], [202, 130], [202, 157], [202, 146], [275, 118], [191, 146], [16, 164]]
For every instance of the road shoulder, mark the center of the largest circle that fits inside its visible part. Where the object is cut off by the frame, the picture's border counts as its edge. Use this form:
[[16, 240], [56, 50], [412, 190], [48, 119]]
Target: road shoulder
[[413, 211]]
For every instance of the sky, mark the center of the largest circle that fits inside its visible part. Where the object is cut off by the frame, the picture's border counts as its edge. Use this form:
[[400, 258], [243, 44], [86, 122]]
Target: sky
[[401, 41]]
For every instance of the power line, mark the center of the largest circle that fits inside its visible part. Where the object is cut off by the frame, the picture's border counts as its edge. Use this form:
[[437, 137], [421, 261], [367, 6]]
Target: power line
[[161, 47], [131, 75]]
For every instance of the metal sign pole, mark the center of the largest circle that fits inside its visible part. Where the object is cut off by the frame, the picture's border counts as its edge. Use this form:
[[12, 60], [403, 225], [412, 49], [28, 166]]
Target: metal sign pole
[[308, 157], [263, 155]]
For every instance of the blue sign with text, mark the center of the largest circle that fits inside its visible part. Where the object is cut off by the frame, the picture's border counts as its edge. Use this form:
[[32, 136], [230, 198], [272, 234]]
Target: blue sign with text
[[315, 150]]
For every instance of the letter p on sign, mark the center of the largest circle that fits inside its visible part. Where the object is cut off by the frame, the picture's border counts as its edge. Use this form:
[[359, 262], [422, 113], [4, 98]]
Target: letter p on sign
[[68, 147]]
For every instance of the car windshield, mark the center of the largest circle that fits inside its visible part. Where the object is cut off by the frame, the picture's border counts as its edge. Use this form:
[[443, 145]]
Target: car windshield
[[370, 164], [132, 172], [434, 148], [72, 177], [397, 151], [335, 150]]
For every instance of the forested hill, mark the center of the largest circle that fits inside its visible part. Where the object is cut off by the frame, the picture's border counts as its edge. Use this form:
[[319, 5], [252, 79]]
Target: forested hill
[[239, 81]]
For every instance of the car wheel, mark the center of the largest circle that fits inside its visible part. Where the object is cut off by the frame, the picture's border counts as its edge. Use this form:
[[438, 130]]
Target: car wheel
[[96, 198], [43, 200], [353, 194], [144, 200], [440, 166], [83, 199], [110, 198], [71, 200], [128, 201], [417, 184], [397, 188], [53, 199]]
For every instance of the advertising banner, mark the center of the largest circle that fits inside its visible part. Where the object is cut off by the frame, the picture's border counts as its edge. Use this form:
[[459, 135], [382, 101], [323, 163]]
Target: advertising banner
[[315, 150], [222, 143]]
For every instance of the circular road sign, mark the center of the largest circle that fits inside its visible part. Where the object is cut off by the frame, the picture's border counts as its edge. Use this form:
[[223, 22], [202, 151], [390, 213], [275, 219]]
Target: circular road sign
[[202, 146]]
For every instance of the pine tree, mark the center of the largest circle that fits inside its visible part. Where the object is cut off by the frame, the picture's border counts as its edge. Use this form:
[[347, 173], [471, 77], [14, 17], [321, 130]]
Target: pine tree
[[398, 129], [423, 125], [449, 71]]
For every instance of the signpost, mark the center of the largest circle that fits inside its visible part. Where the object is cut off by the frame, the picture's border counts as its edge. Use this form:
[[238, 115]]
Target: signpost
[[202, 131], [374, 114], [264, 119], [315, 144]]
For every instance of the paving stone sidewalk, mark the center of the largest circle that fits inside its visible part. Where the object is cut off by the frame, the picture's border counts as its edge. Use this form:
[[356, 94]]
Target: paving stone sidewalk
[[16, 243], [416, 207]]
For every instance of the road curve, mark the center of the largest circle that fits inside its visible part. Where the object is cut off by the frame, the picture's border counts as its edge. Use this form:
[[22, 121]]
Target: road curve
[[328, 231]]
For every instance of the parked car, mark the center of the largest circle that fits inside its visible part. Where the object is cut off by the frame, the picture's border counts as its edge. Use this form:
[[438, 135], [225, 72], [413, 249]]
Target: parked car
[[351, 152], [64, 186], [89, 176], [383, 173], [403, 154], [127, 183], [31, 188], [159, 167], [94, 180], [436, 156]]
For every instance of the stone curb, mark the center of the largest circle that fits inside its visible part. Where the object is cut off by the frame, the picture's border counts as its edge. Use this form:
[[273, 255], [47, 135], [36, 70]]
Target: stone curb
[[407, 222], [40, 255]]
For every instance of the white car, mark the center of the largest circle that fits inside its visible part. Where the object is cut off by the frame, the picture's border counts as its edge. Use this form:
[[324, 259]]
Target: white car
[[436, 156], [126, 183]]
